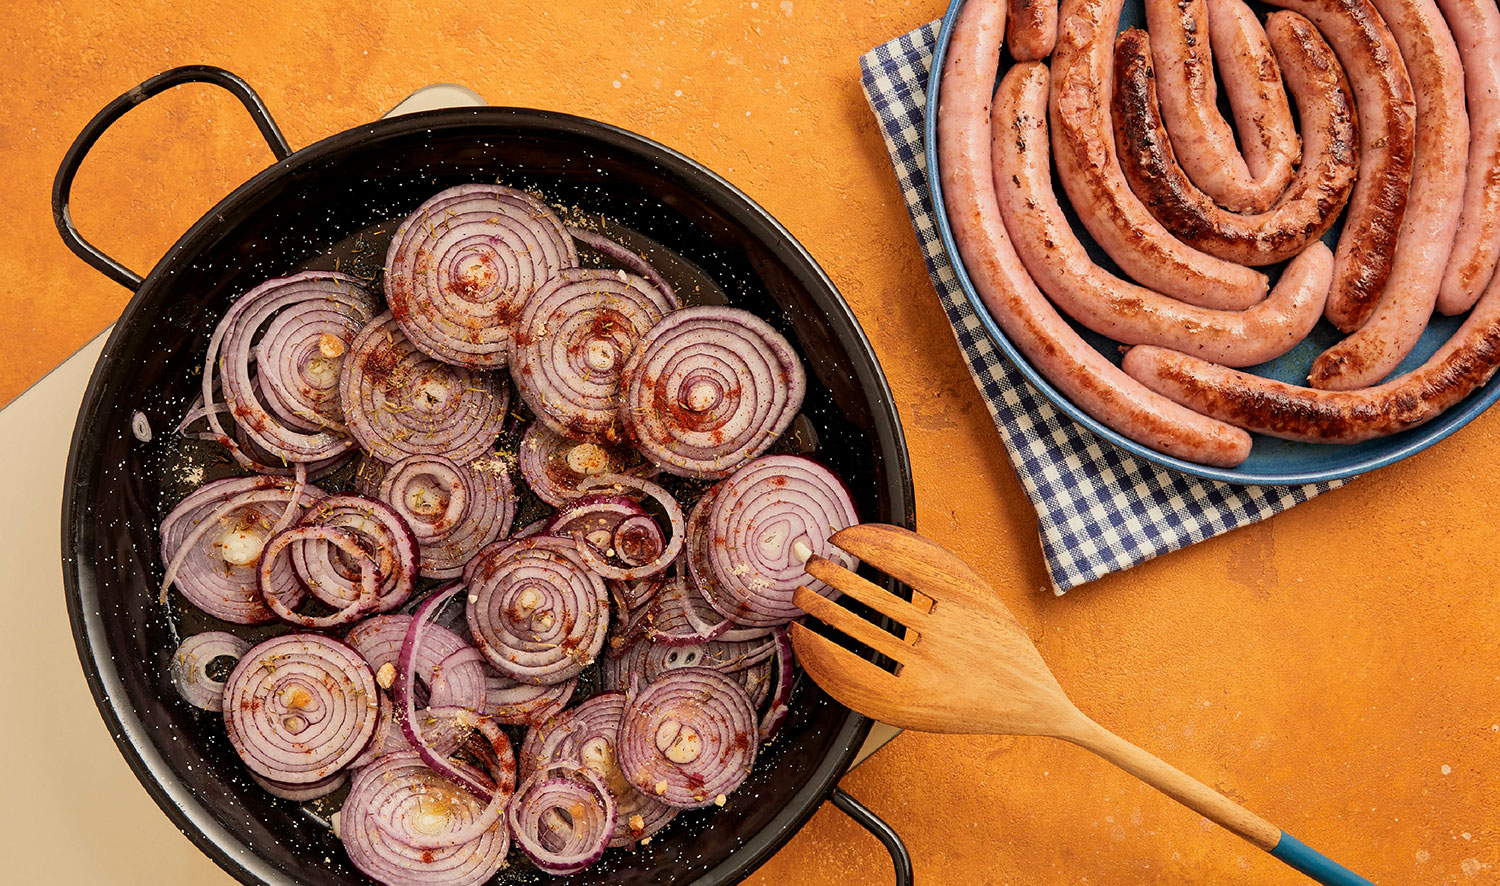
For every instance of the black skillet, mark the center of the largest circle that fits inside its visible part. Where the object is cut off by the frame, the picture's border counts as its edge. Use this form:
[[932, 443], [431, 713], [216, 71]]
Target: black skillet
[[337, 198]]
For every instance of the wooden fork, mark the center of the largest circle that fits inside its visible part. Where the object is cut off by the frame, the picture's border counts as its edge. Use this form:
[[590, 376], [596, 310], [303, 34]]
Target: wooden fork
[[967, 666]]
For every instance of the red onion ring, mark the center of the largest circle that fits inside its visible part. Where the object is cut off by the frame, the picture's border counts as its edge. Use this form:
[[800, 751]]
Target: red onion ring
[[776, 714], [398, 401], [585, 816], [634, 571], [460, 269], [403, 793], [749, 662], [689, 738], [212, 542], [627, 259], [190, 667], [298, 707], [346, 541], [597, 518], [571, 342], [446, 667], [301, 793], [553, 465], [761, 527], [535, 610], [381, 534], [681, 617], [586, 734], [453, 510], [306, 307], [708, 389]]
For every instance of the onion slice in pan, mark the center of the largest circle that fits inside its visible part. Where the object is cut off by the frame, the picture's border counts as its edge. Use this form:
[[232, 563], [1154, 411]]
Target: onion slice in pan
[[454, 510], [298, 707], [572, 340], [461, 268], [710, 388], [763, 525], [399, 401], [626, 258], [191, 662], [563, 845], [383, 536], [689, 738]]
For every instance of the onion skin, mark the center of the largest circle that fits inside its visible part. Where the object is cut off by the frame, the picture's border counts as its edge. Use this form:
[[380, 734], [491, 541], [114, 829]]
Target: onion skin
[[190, 667], [708, 389], [694, 703], [571, 343], [295, 684], [745, 554], [461, 268], [399, 401], [535, 610], [399, 787]]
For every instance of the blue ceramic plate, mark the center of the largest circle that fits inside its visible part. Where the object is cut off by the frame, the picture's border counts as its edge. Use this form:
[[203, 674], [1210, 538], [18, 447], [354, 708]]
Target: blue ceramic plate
[[1272, 462]]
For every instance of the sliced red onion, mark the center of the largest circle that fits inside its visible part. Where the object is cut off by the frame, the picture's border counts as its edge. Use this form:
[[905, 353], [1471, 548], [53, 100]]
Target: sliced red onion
[[696, 550], [387, 737], [681, 617], [586, 734], [627, 259], [462, 267], [553, 465], [571, 342], [362, 604], [748, 662], [595, 518], [411, 801], [314, 311], [710, 388], [454, 510], [535, 610], [398, 401], [625, 562], [563, 817], [780, 707], [190, 667], [688, 738], [525, 704], [762, 526], [381, 534], [299, 707], [536, 527], [211, 544], [301, 793]]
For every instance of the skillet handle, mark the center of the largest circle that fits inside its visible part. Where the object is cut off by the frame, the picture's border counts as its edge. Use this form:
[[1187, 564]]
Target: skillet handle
[[882, 831], [62, 186]]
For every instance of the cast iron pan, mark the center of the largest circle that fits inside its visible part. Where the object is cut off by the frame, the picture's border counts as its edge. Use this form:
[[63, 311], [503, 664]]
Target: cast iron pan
[[338, 200]]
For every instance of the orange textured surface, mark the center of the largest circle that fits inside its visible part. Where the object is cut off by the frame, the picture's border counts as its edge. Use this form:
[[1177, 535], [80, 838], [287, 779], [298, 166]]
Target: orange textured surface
[[1334, 669]]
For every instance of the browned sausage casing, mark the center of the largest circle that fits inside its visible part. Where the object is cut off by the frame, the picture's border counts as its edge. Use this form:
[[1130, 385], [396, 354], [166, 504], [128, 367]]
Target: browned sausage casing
[[1094, 384], [1031, 29], [1104, 303], [1083, 145], [1308, 208]]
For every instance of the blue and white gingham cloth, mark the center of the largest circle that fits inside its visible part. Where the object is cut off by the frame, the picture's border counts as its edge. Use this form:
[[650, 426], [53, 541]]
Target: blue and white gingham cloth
[[1099, 509]]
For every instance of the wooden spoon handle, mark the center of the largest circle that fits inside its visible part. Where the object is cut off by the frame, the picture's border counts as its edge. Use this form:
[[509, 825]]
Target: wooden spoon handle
[[1211, 804]]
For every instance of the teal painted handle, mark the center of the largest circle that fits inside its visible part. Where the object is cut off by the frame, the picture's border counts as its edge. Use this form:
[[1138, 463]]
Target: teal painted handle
[[1313, 863]]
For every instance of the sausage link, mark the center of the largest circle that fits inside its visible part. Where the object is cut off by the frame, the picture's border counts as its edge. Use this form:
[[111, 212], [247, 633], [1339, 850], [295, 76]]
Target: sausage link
[[1266, 406], [1031, 29], [1387, 115], [1249, 70], [1104, 303], [1476, 251], [1083, 145], [1094, 384], [1308, 208], [1432, 209]]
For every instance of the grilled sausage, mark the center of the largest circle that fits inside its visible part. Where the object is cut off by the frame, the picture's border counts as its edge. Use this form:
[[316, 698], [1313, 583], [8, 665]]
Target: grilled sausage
[[1031, 29], [1096, 385], [1387, 115], [1462, 365], [1251, 76], [1083, 146], [1432, 210], [1185, 44], [1308, 208], [1104, 303], [1476, 28]]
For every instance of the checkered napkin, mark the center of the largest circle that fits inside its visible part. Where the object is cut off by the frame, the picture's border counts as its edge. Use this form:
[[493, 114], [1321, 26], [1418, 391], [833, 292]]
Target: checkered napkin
[[1099, 509]]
